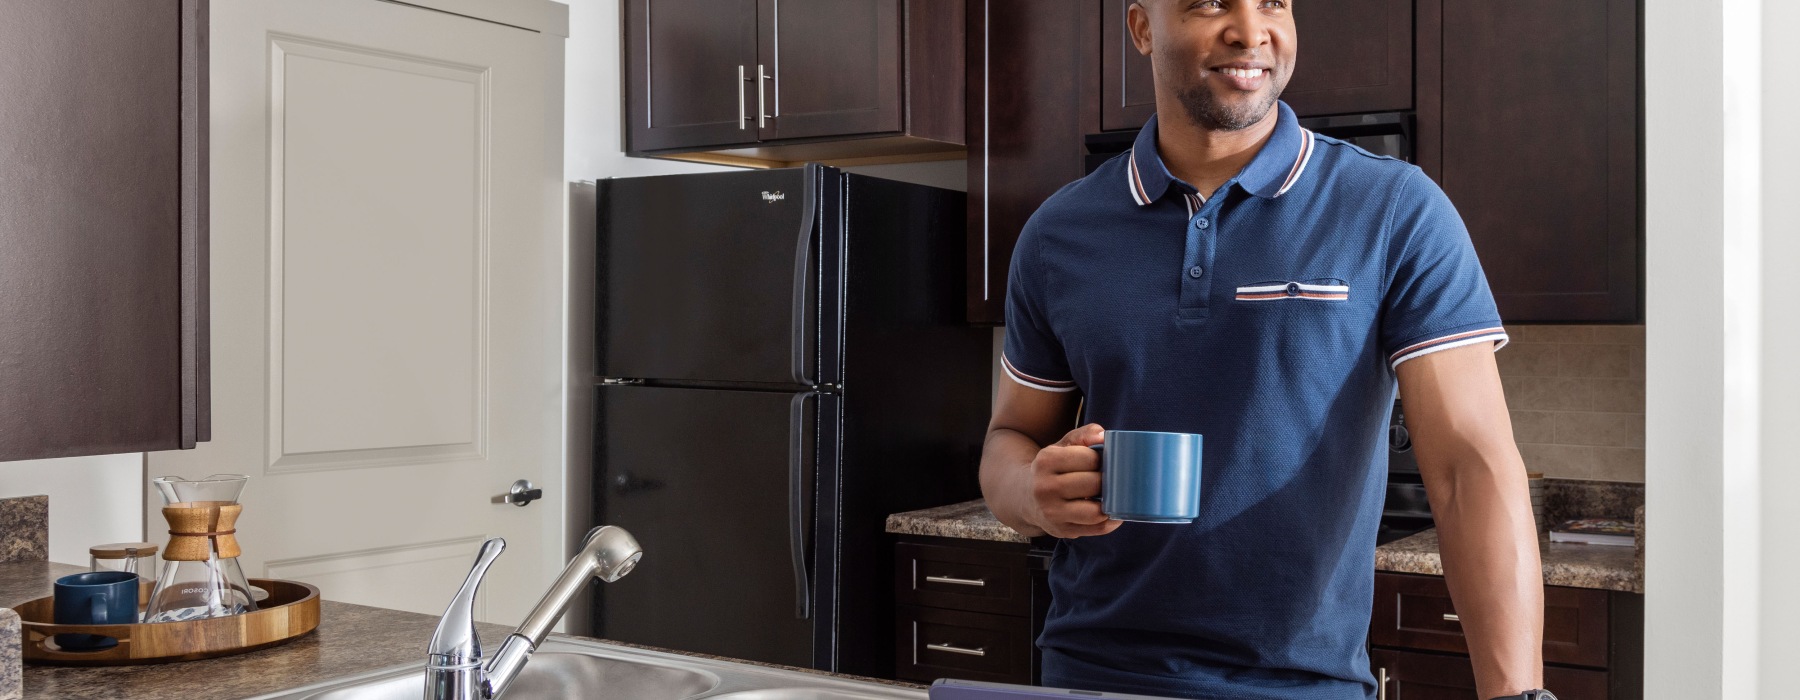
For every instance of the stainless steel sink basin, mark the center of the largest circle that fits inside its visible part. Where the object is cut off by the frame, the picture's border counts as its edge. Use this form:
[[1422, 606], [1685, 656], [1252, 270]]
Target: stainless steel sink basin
[[579, 668]]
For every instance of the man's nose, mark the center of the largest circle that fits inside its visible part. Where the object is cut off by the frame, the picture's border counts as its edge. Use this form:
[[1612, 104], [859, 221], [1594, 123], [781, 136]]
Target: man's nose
[[1246, 26]]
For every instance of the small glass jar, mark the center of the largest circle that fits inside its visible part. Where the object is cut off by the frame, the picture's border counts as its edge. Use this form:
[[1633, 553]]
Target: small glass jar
[[130, 557]]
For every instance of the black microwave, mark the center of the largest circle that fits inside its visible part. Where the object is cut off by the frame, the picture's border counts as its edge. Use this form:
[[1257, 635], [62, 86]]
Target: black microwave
[[1381, 133]]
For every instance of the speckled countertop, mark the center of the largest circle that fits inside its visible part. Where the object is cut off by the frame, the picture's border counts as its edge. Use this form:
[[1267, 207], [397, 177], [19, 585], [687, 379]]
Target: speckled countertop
[[1575, 565], [351, 639]]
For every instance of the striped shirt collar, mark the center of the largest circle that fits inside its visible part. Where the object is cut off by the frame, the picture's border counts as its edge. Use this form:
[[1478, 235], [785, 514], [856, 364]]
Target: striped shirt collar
[[1270, 174]]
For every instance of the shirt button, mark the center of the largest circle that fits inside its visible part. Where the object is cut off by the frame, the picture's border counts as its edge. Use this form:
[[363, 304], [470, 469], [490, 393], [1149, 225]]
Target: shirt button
[[1293, 289], [1200, 223], [1196, 271]]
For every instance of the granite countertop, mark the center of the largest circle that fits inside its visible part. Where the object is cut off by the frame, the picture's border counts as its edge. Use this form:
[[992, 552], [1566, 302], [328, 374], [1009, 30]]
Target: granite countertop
[[966, 521], [350, 639], [1575, 565]]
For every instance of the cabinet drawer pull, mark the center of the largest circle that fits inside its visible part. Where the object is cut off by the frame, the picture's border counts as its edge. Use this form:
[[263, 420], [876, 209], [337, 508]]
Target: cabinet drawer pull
[[956, 581], [1451, 617], [743, 118], [977, 651], [1381, 681]]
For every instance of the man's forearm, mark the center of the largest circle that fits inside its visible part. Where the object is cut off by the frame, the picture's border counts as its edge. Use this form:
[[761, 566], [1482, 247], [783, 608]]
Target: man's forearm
[[1006, 478], [1488, 544]]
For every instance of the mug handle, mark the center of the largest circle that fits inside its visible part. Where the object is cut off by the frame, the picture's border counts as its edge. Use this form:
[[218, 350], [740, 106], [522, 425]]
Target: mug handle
[[1100, 449]]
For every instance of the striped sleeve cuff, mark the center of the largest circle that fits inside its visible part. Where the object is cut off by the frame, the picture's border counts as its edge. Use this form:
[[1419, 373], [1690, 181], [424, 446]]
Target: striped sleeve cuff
[[1495, 335], [1034, 382]]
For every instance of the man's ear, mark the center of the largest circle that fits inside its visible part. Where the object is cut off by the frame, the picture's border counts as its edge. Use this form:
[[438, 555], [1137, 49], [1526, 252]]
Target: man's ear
[[1137, 19]]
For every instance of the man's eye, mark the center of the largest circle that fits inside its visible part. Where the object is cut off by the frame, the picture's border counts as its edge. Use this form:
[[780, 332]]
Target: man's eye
[[1273, 5]]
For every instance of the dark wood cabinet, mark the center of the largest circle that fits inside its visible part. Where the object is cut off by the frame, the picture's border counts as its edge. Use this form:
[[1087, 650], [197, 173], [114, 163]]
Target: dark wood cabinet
[[770, 82], [1406, 675], [1537, 144], [1027, 117], [1593, 641], [968, 609], [1354, 56], [103, 223], [702, 55]]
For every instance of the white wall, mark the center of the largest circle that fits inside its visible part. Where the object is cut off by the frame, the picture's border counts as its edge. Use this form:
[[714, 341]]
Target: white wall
[[1722, 396], [93, 500]]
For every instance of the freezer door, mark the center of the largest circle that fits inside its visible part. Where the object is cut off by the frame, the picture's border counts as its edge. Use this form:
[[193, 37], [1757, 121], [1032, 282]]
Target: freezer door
[[709, 277], [718, 487]]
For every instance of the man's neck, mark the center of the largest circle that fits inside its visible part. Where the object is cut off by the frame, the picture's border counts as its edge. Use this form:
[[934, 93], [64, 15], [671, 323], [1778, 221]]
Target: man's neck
[[1207, 158]]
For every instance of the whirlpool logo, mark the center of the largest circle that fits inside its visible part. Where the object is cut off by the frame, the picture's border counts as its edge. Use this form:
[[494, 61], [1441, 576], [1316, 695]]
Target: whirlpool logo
[[773, 197]]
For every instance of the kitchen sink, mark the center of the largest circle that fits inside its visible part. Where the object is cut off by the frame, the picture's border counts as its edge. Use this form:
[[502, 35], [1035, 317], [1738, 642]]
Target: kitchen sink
[[579, 668]]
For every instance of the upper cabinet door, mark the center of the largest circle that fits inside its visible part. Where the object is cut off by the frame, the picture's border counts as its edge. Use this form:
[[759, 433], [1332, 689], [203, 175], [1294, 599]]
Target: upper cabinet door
[[1127, 92], [833, 68], [103, 211], [1540, 159], [683, 64], [1353, 56]]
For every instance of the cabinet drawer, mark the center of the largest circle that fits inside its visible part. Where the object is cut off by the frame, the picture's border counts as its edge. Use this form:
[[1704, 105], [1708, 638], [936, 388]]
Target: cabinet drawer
[[1415, 612], [932, 644], [1407, 675], [956, 578]]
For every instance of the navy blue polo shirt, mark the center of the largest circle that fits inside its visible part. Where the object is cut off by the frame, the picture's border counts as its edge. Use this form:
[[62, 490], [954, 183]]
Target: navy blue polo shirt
[[1269, 317]]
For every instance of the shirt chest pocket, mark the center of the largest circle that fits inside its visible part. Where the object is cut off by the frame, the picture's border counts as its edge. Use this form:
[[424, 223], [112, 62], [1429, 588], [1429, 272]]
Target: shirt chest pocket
[[1327, 291]]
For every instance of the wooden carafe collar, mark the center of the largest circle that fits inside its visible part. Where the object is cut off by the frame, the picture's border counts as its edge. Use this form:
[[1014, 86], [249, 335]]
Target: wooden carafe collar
[[198, 528]]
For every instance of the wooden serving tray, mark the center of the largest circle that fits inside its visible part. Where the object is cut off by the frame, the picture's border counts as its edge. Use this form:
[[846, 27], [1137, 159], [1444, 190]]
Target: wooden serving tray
[[291, 610]]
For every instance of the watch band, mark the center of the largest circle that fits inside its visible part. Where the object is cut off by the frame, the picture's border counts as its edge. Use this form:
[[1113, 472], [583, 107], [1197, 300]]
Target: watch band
[[1530, 695]]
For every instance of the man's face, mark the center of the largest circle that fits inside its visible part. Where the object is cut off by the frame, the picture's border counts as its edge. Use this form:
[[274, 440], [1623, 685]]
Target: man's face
[[1227, 61]]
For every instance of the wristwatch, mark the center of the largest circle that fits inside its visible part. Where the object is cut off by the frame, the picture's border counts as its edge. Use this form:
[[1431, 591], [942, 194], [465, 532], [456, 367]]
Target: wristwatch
[[1529, 695]]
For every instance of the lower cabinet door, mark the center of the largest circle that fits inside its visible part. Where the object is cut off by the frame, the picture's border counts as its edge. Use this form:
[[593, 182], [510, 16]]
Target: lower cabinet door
[[1406, 675], [933, 643]]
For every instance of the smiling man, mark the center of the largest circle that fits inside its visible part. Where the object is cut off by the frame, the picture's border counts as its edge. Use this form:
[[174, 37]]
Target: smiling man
[[1237, 276]]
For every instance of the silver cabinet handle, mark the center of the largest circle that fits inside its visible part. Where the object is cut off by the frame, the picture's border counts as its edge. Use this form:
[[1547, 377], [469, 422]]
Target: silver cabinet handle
[[956, 581], [1451, 617], [977, 651], [762, 109], [743, 117], [1381, 679]]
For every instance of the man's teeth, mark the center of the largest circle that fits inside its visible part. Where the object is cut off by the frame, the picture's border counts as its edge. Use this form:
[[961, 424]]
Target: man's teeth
[[1242, 72]]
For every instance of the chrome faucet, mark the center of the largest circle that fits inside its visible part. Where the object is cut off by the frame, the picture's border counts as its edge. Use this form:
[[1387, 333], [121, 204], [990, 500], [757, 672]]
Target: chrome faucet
[[453, 664]]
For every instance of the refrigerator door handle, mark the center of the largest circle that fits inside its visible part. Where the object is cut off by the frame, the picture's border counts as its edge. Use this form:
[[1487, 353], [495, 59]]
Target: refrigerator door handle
[[797, 484], [803, 256]]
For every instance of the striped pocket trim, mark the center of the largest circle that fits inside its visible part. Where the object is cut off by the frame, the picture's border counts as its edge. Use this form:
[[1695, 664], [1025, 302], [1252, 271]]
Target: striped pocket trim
[[1317, 290]]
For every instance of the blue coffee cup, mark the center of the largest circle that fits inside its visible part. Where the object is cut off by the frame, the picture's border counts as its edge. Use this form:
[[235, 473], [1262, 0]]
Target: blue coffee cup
[[94, 598], [1150, 477]]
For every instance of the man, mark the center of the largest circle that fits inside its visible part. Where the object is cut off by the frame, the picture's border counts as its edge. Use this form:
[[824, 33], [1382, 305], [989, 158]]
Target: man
[[1236, 276]]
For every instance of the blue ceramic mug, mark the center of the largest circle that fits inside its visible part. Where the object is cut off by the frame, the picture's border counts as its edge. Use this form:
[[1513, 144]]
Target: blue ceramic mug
[[95, 598], [1150, 477]]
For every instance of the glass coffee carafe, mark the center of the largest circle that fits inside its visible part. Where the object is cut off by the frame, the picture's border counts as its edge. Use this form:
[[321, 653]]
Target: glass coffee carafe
[[200, 573]]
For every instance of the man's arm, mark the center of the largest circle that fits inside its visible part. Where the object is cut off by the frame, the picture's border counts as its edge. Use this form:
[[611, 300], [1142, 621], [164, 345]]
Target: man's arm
[[1462, 436], [1037, 479]]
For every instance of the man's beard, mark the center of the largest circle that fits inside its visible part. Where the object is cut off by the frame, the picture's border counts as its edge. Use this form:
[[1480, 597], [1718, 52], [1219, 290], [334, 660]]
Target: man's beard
[[1204, 107]]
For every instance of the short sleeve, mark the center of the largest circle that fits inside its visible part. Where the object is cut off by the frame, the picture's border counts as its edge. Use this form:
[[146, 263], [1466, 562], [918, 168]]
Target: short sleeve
[[1437, 296], [1031, 354]]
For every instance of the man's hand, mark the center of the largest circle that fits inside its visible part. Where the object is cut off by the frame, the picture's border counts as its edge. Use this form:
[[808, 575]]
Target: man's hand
[[1064, 483], [1033, 481]]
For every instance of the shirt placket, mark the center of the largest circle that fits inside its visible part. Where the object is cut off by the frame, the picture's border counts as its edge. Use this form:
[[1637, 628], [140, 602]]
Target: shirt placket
[[1197, 257]]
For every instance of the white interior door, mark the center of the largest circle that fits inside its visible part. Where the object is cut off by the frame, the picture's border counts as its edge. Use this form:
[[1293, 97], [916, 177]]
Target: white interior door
[[387, 262]]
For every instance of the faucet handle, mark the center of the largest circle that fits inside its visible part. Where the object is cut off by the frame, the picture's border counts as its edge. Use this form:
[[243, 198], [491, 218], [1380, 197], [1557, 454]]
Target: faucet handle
[[455, 643]]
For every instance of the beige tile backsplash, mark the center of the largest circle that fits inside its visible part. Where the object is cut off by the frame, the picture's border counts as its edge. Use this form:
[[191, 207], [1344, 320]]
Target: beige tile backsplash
[[1577, 399]]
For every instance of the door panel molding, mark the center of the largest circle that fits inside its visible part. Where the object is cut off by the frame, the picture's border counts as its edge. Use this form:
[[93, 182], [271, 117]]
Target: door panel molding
[[426, 560], [424, 440]]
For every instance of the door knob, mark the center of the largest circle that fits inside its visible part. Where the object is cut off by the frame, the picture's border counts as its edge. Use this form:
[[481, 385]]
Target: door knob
[[521, 494]]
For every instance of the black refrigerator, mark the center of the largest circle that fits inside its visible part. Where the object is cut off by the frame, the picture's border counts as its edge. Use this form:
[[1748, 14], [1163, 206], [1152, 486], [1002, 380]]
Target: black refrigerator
[[781, 362]]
